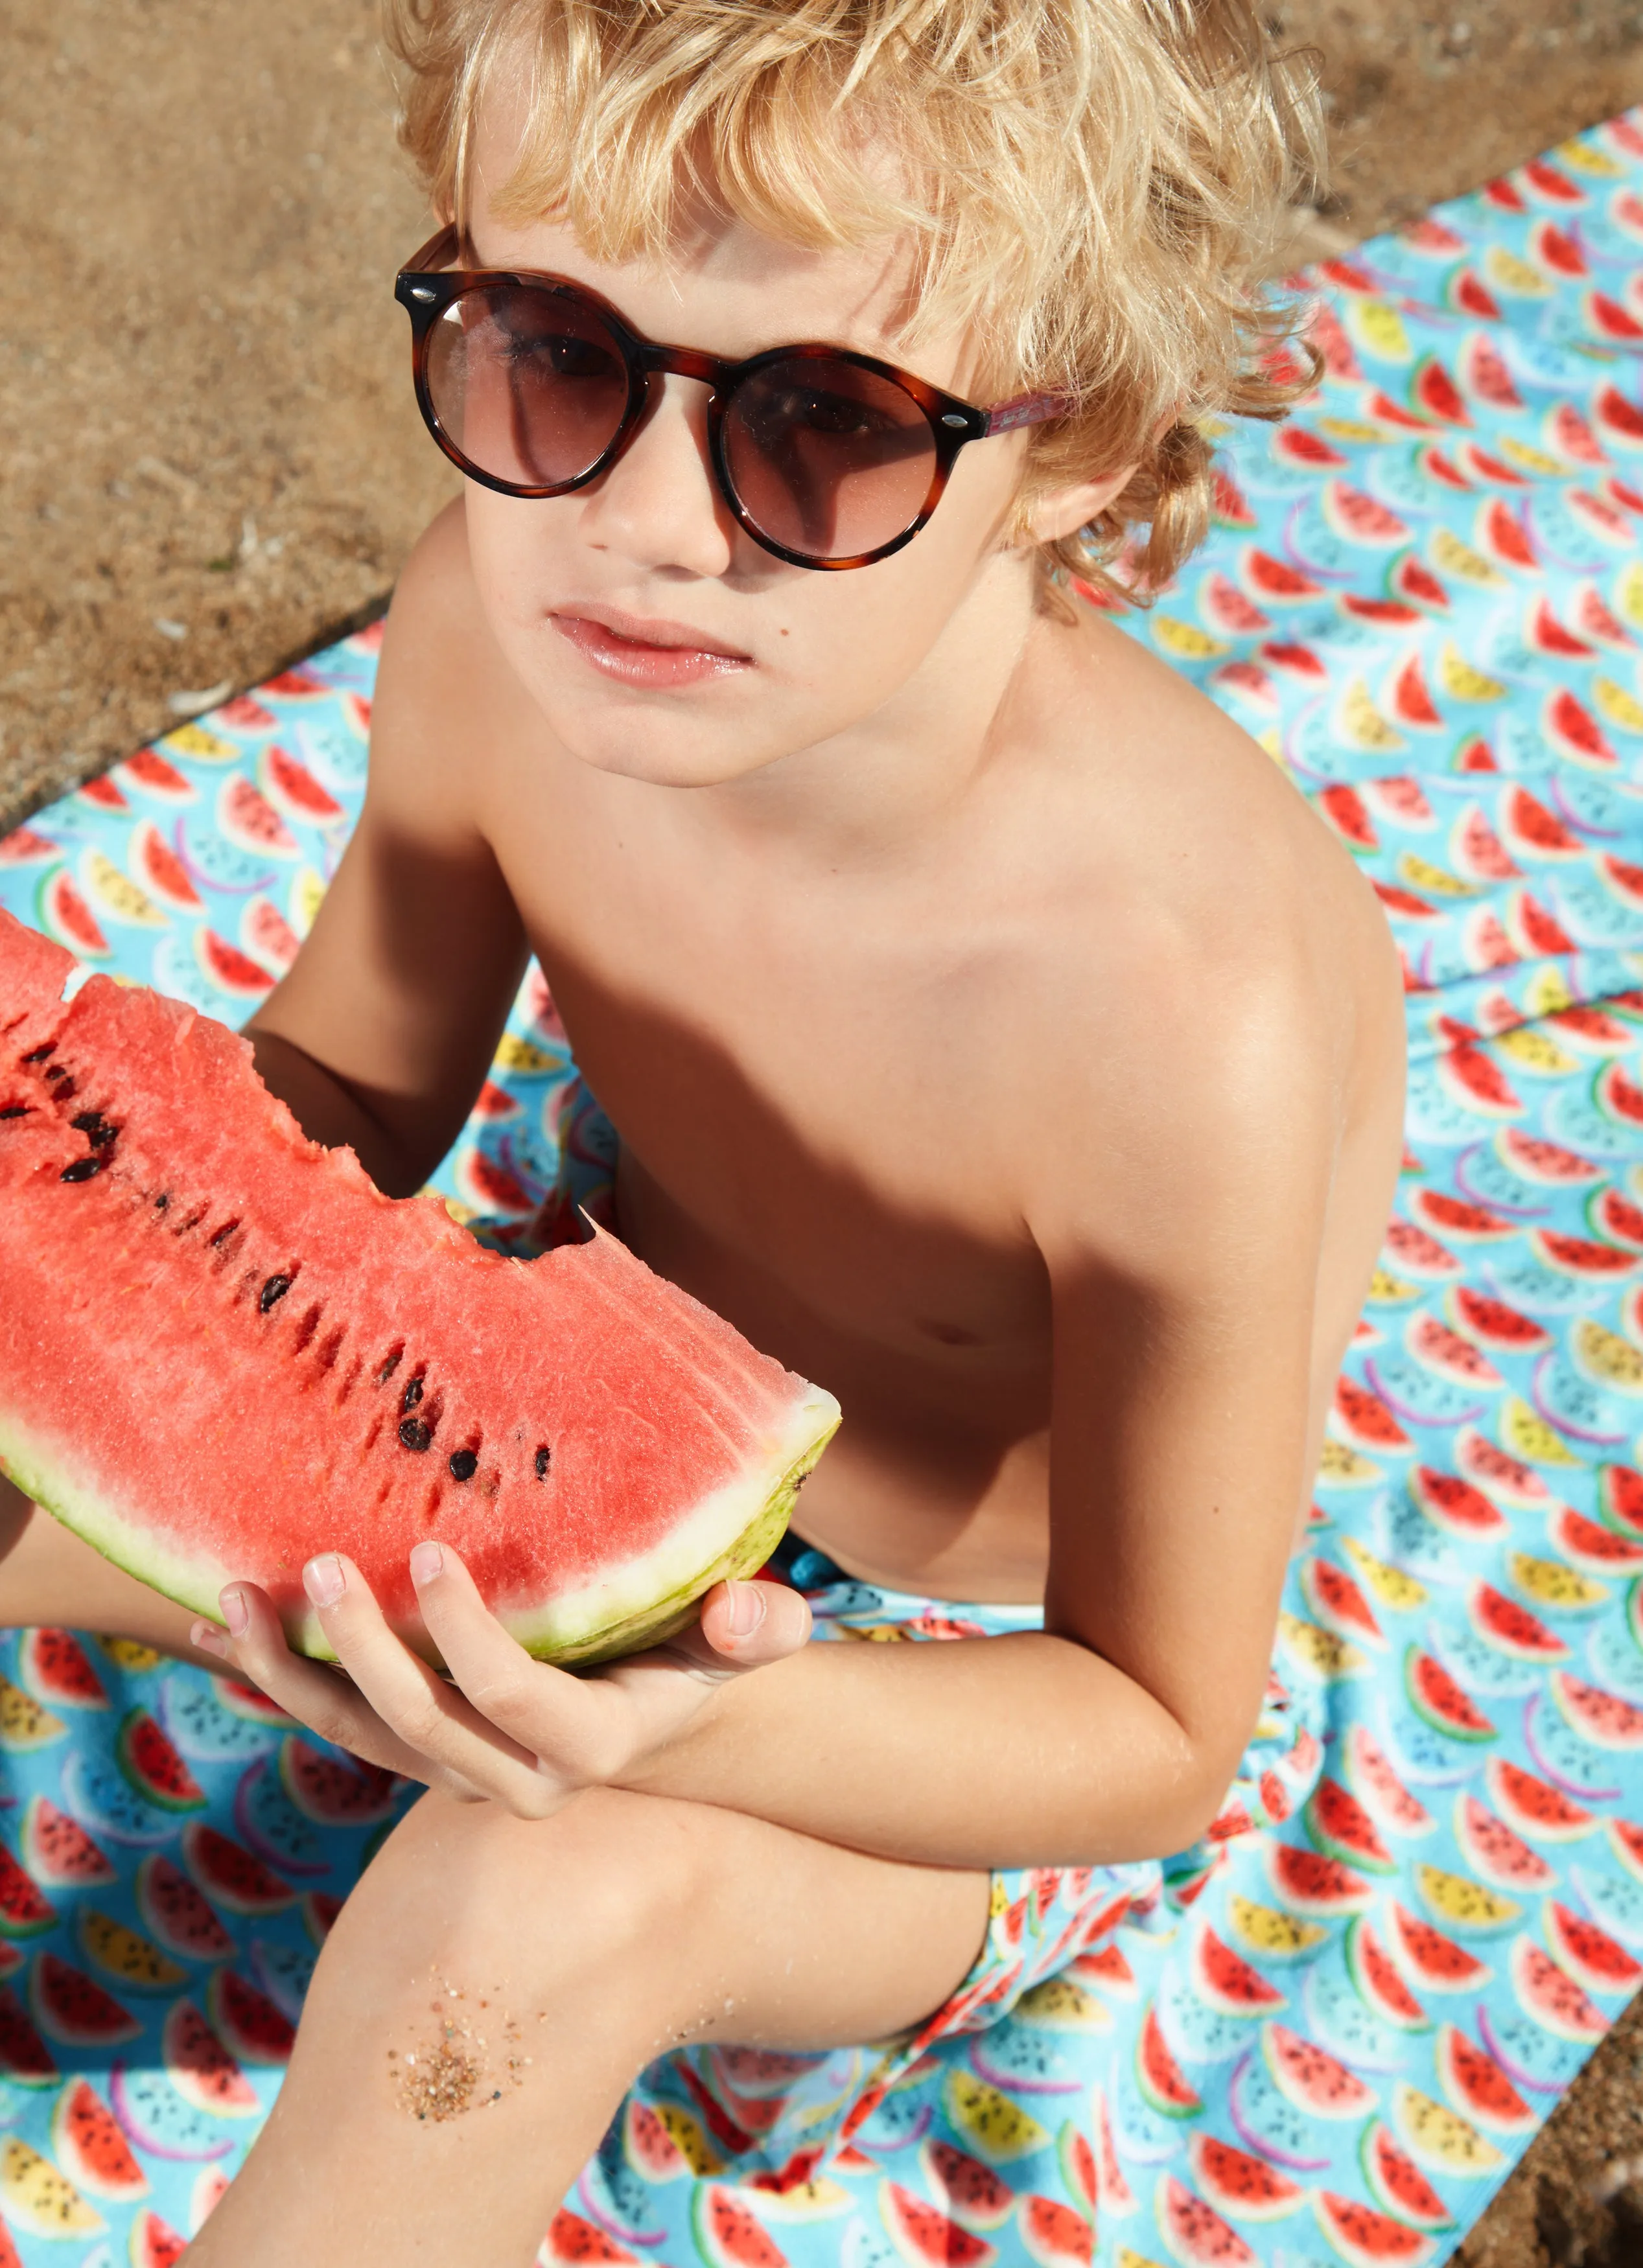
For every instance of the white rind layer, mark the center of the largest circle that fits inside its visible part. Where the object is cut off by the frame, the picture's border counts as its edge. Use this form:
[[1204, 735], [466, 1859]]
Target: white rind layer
[[730, 1532]]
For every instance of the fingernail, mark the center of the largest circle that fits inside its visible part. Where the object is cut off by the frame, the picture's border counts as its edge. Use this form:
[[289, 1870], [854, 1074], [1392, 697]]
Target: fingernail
[[207, 1637], [746, 1608], [236, 1614], [322, 1579], [427, 1563]]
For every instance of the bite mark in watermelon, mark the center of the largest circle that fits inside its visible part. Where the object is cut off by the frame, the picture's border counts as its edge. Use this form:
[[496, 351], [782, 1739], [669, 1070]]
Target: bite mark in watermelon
[[598, 1447]]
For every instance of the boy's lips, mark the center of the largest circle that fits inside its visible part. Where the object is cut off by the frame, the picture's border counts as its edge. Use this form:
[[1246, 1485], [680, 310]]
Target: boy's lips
[[644, 652]]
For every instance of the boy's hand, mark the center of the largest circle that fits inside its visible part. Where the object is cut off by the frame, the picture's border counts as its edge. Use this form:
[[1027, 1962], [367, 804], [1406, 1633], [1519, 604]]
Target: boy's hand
[[503, 1727]]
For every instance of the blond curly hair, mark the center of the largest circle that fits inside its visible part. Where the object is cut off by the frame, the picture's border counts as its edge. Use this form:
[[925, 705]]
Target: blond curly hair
[[1095, 185]]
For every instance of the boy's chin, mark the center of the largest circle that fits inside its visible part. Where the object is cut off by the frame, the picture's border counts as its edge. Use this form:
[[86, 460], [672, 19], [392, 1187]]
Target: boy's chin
[[644, 749]]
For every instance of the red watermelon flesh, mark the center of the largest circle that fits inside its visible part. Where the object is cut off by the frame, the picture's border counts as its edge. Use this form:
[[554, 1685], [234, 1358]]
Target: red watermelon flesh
[[296, 1363], [155, 2244], [1238, 2183], [1534, 1806], [57, 1849], [1441, 1964], [927, 2235], [575, 2241], [1593, 1956], [1366, 2238], [1398, 2182], [1055, 2235], [56, 1670], [1194, 2232], [89, 2146]]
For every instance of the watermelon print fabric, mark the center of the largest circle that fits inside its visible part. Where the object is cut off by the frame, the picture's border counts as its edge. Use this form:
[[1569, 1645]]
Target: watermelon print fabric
[[1330, 2032]]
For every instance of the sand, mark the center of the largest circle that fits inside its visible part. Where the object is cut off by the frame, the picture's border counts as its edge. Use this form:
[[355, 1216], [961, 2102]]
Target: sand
[[213, 463]]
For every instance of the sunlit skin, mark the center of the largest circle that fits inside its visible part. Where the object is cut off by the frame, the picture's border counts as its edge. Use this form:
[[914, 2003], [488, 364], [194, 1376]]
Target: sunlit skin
[[996, 1038]]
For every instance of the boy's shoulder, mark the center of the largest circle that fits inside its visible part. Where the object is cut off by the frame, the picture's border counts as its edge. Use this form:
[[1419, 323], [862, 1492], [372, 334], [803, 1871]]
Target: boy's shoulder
[[1205, 966]]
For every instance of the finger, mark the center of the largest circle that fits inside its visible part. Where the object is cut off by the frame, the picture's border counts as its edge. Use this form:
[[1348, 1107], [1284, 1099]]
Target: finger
[[435, 1718], [569, 1725], [313, 1692], [747, 1624]]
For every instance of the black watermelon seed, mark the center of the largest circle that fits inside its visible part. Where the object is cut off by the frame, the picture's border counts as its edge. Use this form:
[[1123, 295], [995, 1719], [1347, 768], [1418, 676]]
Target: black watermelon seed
[[222, 1235], [275, 1288], [464, 1465], [162, 1202], [82, 1169], [16, 1110], [39, 1054], [544, 1458], [95, 1128], [412, 1394], [415, 1434], [390, 1365]]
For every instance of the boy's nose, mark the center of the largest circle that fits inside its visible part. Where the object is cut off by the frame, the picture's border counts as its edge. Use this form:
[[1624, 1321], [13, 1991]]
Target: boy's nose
[[660, 504]]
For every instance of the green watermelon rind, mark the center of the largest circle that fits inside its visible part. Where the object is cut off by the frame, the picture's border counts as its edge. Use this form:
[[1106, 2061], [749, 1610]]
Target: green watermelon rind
[[1395, 2201], [1279, 2195], [711, 2247], [1412, 2249], [1452, 2047], [1430, 1713], [728, 1536], [1359, 1959], [142, 1782], [1164, 2090], [1330, 1836]]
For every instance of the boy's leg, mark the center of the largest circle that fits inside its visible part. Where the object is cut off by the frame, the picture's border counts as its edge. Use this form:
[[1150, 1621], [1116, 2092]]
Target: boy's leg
[[48, 1575], [588, 1943]]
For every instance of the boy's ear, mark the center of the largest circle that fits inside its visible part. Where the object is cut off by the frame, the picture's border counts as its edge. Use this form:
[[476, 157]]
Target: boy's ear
[[1063, 511]]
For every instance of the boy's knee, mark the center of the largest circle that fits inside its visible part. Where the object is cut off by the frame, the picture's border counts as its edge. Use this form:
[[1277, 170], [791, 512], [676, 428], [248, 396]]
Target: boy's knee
[[467, 1887]]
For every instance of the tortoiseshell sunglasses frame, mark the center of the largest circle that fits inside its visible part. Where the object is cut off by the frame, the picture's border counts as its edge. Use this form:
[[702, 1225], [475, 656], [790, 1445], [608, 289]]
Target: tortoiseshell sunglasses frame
[[426, 286]]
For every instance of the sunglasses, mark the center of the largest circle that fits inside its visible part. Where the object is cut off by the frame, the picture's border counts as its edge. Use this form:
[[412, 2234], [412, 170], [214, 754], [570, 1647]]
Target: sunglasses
[[535, 385]]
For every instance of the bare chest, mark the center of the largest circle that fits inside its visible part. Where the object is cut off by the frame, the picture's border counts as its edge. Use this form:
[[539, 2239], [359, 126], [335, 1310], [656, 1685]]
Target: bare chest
[[815, 1137]]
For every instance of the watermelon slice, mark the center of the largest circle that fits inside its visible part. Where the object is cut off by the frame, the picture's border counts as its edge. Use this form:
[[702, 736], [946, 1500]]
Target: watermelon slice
[[1194, 2232], [1373, 1971], [1367, 2239], [1239, 2184], [1397, 2183], [89, 2146], [1435, 1961], [1533, 1806], [301, 1365], [1590, 1954]]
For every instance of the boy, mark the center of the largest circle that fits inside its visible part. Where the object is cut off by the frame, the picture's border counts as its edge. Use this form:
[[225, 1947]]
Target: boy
[[886, 910]]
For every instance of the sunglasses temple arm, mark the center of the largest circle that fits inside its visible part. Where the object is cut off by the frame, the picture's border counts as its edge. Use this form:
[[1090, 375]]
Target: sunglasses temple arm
[[1026, 410], [440, 251]]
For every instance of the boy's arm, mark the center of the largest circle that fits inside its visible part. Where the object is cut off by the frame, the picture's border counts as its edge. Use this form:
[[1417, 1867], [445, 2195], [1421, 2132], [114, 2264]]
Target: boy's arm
[[381, 1035], [1183, 1294]]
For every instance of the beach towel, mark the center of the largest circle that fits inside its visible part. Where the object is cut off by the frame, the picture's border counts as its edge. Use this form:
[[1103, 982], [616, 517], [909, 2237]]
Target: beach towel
[[1341, 2023]]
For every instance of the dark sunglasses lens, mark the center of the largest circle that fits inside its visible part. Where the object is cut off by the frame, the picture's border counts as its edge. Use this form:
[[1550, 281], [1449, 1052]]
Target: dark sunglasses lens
[[827, 459], [530, 384]]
